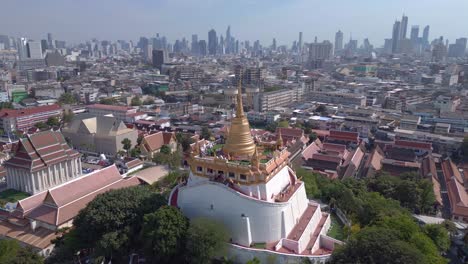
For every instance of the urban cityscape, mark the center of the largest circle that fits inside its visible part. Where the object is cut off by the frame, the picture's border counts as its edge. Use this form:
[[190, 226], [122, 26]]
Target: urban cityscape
[[214, 148]]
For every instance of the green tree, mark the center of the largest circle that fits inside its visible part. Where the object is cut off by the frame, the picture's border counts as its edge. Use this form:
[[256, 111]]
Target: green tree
[[312, 136], [53, 121], [12, 252], [165, 149], [379, 246], [321, 109], [111, 224], [6, 105], [439, 235], [148, 101], [271, 126], [41, 125], [205, 133], [136, 101], [255, 260], [205, 240], [127, 145], [108, 101], [164, 233], [67, 98], [283, 123], [184, 140]]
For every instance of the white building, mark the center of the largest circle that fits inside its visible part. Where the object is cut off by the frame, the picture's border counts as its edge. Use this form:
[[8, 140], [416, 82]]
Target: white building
[[252, 190]]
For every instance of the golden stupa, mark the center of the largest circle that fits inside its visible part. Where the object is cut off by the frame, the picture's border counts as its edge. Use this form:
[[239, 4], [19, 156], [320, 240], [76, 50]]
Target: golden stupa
[[239, 141]]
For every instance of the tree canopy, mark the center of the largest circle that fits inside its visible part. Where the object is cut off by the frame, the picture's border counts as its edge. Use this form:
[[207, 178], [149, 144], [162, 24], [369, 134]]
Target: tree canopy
[[67, 98], [12, 252]]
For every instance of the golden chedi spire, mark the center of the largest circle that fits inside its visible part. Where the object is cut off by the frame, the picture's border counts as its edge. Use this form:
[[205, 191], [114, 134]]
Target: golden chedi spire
[[239, 141], [279, 139]]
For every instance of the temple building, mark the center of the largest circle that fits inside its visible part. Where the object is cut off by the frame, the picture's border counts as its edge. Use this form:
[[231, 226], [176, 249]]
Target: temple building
[[42, 161], [250, 188]]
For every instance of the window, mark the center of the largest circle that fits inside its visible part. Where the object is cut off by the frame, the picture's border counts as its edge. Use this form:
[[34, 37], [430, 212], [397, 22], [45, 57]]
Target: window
[[209, 170], [220, 172], [199, 169], [243, 177], [232, 175]]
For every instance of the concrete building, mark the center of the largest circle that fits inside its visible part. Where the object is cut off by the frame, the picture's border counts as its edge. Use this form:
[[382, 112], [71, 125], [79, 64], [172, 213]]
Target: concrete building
[[158, 58], [12, 120], [42, 161], [447, 103], [121, 113], [338, 98], [98, 134], [151, 144], [34, 49]]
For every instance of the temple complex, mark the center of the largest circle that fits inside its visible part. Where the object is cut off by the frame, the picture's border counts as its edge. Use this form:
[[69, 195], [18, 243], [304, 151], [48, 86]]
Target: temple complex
[[250, 188]]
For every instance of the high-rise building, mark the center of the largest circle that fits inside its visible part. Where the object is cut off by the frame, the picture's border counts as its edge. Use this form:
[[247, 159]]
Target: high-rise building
[[425, 36], [34, 49], [414, 34], [22, 48], [44, 45], [50, 41], [396, 36], [228, 44], [338, 41], [273, 45], [403, 27], [5, 40], [320, 51], [458, 49], [212, 42], [202, 47], [300, 43], [195, 47]]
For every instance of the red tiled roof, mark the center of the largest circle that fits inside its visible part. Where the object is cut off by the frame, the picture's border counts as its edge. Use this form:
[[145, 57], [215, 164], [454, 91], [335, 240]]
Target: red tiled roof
[[413, 144], [110, 107], [135, 114], [157, 140], [62, 203], [344, 135], [28, 111], [42, 149], [290, 132]]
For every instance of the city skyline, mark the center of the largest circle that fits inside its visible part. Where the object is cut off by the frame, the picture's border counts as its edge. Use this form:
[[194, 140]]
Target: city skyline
[[129, 20]]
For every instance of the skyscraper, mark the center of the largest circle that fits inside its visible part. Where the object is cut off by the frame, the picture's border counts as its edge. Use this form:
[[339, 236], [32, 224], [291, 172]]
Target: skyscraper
[[44, 45], [300, 43], [425, 37], [228, 44], [403, 27], [338, 41], [22, 48], [273, 46], [212, 42], [158, 58], [50, 41], [195, 46], [202, 47], [34, 49], [414, 34], [396, 36]]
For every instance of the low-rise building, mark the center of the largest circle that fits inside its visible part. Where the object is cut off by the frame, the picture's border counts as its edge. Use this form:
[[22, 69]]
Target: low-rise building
[[151, 144], [23, 119], [41, 161], [98, 134]]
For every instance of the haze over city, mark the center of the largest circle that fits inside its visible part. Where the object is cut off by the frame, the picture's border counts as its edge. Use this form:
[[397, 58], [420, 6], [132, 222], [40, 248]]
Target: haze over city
[[75, 21]]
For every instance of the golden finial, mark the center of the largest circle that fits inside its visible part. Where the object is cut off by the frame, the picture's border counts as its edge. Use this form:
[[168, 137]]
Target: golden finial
[[239, 141], [279, 139], [255, 159]]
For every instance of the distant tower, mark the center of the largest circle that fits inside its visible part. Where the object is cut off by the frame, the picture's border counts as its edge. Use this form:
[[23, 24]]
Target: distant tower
[[403, 27], [228, 48], [195, 47], [300, 43], [425, 37], [212, 42], [273, 46], [50, 41], [395, 36], [414, 34], [338, 41]]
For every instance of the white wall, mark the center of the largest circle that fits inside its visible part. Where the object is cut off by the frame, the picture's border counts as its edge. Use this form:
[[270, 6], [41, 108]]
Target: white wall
[[217, 201]]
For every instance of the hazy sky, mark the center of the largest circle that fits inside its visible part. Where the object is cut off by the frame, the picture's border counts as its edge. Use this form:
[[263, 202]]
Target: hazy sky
[[77, 20]]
